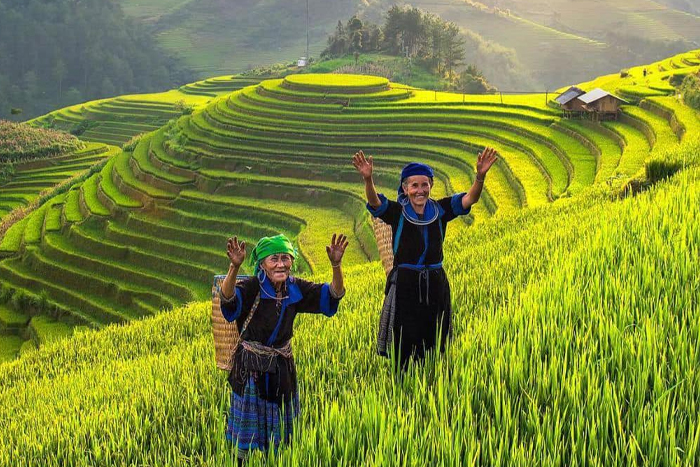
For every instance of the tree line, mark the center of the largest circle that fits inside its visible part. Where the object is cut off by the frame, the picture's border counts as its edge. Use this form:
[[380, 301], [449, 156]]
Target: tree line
[[55, 53], [462, 57]]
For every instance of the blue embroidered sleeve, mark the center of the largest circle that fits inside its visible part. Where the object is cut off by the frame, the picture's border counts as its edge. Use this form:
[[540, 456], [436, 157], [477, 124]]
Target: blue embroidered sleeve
[[231, 308], [456, 205], [382, 207], [317, 298], [329, 304]]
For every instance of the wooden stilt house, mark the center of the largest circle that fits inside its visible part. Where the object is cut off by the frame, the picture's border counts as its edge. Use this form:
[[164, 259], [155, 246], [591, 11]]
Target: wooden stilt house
[[601, 105], [569, 103]]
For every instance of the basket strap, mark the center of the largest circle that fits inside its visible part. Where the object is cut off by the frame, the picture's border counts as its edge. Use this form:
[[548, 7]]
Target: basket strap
[[399, 229], [250, 316]]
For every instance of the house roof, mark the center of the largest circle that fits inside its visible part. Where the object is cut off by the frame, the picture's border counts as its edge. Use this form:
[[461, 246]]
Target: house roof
[[570, 94], [597, 94]]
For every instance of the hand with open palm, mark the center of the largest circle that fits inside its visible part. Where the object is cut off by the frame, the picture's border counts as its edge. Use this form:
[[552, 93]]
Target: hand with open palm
[[336, 249], [484, 161], [365, 166], [235, 251]]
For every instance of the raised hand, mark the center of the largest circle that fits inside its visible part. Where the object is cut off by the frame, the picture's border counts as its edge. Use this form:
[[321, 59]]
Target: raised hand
[[235, 251], [336, 249], [364, 166], [485, 160]]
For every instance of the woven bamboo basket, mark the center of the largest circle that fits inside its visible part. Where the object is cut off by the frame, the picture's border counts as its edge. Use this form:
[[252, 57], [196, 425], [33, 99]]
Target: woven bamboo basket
[[385, 243], [225, 333]]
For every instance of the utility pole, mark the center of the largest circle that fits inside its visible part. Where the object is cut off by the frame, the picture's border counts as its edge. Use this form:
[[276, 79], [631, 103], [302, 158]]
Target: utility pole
[[307, 31]]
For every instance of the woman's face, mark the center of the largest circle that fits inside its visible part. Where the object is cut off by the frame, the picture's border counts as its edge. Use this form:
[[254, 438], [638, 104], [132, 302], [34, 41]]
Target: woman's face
[[277, 267], [417, 188]]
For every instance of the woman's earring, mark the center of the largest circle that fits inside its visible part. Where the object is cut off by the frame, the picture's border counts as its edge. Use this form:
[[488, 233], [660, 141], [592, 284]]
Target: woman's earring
[[262, 275]]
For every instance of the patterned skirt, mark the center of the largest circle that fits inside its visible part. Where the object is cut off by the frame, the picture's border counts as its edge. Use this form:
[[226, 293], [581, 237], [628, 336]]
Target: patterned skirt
[[255, 423]]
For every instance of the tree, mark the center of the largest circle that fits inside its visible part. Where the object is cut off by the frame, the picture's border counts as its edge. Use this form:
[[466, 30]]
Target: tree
[[356, 41], [453, 49], [472, 83], [107, 88], [337, 43], [59, 72], [354, 25]]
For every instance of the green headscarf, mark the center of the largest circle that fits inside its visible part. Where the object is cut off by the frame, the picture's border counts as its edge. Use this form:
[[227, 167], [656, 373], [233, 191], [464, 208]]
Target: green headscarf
[[270, 246]]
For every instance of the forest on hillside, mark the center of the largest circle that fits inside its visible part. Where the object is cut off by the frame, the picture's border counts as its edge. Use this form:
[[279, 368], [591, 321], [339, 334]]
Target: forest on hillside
[[440, 46], [62, 52]]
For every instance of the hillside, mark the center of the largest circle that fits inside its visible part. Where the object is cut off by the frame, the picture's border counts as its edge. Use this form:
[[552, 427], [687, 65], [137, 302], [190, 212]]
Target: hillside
[[547, 37], [61, 52], [143, 231], [576, 338]]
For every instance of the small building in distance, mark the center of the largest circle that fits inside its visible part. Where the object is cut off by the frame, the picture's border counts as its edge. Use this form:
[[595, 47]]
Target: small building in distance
[[569, 103], [601, 105], [595, 105]]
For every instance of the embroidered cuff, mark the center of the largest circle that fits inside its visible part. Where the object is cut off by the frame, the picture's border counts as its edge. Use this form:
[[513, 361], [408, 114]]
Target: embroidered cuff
[[328, 305], [231, 307], [382, 207], [336, 295], [456, 204]]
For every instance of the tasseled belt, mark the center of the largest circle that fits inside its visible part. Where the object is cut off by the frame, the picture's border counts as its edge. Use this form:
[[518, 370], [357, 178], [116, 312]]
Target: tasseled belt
[[262, 358], [423, 276]]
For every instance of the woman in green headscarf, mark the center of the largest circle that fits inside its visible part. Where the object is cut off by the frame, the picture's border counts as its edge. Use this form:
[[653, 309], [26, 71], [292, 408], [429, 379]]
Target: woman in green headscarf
[[264, 400]]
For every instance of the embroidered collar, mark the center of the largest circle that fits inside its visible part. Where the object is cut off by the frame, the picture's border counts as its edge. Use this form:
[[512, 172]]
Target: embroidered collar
[[432, 211], [268, 291]]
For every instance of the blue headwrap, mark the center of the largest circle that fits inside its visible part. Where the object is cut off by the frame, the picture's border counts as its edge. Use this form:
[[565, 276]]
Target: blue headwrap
[[414, 168], [432, 209]]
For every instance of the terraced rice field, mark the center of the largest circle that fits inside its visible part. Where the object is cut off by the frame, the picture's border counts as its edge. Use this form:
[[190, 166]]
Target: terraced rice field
[[658, 81], [147, 231], [33, 177], [213, 87]]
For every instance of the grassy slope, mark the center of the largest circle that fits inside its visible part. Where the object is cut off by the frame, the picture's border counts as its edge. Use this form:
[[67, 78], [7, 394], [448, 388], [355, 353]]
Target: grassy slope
[[576, 338], [586, 280], [214, 37], [642, 18]]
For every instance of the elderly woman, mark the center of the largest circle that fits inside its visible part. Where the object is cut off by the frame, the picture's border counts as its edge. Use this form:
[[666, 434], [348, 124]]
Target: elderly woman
[[264, 400], [417, 308]]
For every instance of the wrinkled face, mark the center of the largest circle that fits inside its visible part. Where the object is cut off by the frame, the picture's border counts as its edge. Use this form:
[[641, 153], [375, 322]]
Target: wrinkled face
[[277, 267], [417, 188]]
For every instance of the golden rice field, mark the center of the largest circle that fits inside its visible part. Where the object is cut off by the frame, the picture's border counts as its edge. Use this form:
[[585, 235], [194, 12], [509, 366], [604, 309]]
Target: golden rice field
[[575, 281]]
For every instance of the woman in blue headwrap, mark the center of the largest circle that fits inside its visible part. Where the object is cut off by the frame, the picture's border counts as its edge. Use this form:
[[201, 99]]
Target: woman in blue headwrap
[[264, 400], [417, 308]]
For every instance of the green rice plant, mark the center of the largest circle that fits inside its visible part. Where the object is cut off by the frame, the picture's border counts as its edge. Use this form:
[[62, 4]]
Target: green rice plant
[[61, 249], [112, 192], [44, 329], [9, 347], [126, 177], [98, 243], [636, 149], [80, 308], [35, 225], [609, 143], [141, 157], [71, 207], [682, 118], [89, 193], [125, 298], [54, 207], [12, 240]]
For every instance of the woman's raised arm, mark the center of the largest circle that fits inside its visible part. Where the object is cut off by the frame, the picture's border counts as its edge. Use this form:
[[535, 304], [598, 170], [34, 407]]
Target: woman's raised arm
[[335, 251], [235, 251], [365, 167], [484, 162]]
